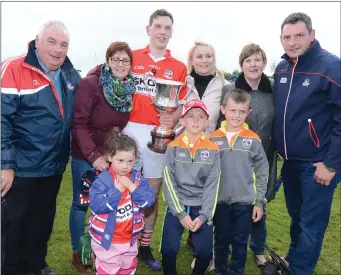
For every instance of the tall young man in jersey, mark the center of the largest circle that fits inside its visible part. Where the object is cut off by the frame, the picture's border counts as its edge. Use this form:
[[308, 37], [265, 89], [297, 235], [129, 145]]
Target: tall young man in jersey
[[154, 58]]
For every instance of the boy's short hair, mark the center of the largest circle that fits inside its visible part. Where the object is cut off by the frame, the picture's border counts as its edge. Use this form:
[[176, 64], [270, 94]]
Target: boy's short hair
[[238, 96]]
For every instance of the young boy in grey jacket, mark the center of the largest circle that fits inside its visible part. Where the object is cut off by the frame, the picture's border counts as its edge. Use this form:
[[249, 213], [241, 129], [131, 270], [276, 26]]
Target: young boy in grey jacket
[[244, 177], [190, 183]]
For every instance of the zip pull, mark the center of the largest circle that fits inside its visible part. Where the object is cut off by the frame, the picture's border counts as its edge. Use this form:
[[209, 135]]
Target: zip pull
[[312, 131]]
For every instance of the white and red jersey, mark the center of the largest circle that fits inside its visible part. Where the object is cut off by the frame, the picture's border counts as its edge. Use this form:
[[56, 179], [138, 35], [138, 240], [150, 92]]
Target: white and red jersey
[[167, 68]]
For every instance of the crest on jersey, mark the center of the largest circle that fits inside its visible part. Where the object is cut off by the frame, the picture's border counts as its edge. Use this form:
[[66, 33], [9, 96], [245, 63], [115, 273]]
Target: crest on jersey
[[246, 142], [204, 155], [168, 73]]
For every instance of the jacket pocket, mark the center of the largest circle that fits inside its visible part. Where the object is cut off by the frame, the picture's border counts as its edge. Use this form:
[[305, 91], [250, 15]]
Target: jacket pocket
[[312, 132]]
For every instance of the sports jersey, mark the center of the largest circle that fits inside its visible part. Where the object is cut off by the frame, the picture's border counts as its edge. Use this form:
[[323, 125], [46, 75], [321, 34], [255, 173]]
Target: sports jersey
[[124, 216], [167, 68]]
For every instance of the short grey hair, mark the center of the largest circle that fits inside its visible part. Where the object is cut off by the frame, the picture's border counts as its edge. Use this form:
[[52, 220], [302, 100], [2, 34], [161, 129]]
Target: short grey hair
[[54, 23], [298, 17]]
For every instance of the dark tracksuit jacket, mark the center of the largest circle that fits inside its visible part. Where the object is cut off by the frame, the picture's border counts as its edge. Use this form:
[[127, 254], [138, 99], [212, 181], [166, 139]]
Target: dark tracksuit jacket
[[308, 107]]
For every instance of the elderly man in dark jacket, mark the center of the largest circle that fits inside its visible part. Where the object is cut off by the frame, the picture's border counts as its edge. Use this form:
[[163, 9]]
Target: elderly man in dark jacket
[[37, 94]]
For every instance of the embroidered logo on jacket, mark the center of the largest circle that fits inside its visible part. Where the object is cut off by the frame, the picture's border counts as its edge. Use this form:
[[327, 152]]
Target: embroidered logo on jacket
[[246, 142], [205, 155], [69, 86], [182, 155], [219, 143], [306, 82], [283, 80]]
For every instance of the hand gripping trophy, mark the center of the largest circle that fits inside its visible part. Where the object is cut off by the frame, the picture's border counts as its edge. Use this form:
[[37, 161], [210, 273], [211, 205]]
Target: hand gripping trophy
[[166, 100]]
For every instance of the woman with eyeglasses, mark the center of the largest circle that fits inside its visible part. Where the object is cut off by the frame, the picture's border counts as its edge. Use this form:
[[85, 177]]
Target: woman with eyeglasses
[[102, 104]]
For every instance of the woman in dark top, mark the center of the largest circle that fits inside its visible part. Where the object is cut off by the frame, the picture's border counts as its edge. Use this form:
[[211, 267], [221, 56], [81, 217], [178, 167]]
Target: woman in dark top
[[102, 104], [252, 61]]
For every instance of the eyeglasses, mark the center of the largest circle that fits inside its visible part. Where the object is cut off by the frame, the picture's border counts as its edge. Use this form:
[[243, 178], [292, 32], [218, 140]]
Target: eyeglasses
[[116, 61]]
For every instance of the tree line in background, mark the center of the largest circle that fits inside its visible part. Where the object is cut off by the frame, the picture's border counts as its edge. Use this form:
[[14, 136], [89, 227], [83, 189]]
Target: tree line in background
[[233, 76]]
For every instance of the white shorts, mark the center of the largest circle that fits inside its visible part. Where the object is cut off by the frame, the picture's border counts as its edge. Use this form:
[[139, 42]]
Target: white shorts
[[150, 161]]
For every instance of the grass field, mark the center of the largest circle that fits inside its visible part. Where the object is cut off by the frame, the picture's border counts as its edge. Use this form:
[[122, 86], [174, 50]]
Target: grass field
[[60, 252]]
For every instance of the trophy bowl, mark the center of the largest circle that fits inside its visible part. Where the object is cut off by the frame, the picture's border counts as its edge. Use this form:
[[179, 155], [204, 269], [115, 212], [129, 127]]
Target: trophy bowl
[[166, 101]]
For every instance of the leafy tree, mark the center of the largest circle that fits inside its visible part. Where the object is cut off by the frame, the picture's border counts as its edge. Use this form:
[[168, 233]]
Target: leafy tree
[[227, 75], [237, 72]]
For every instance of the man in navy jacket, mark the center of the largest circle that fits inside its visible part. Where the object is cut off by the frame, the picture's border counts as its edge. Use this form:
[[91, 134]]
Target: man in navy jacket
[[37, 94], [307, 133]]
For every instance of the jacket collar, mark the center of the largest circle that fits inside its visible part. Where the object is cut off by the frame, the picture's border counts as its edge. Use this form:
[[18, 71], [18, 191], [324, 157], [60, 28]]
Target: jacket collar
[[308, 55], [107, 175], [190, 78], [185, 139], [32, 59], [224, 123], [264, 84]]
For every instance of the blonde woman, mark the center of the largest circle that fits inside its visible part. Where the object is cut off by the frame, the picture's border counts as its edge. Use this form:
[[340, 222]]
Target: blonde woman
[[204, 80]]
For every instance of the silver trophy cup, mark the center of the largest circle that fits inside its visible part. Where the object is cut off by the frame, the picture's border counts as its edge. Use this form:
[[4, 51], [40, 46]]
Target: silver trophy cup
[[166, 100]]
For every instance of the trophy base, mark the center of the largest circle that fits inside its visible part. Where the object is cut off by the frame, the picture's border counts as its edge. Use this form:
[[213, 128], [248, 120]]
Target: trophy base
[[160, 140]]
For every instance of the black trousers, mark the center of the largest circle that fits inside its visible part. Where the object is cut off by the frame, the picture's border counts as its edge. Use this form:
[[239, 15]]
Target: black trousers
[[28, 222]]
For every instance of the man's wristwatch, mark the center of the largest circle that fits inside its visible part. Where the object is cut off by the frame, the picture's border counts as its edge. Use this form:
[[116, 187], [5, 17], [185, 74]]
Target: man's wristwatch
[[333, 170]]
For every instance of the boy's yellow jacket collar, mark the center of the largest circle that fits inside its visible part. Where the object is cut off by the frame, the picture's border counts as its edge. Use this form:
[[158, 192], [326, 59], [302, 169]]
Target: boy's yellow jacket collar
[[185, 137], [224, 124]]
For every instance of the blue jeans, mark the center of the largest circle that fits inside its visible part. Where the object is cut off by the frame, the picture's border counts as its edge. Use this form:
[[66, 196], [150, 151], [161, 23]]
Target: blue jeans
[[309, 205], [77, 212]]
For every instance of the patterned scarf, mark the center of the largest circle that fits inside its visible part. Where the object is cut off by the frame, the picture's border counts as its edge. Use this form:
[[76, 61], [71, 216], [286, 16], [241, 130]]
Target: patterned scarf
[[117, 93]]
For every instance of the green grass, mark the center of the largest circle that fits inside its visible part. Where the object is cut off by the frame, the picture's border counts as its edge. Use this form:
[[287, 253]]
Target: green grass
[[60, 252]]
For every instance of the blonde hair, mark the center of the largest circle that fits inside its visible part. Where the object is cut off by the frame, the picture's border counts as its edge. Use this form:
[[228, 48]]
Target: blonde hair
[[190, 55], [249, 50]]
